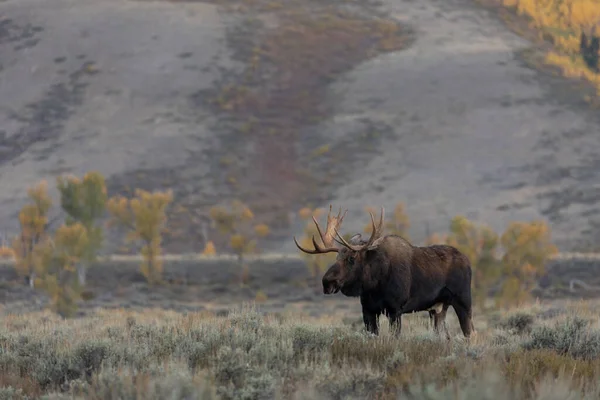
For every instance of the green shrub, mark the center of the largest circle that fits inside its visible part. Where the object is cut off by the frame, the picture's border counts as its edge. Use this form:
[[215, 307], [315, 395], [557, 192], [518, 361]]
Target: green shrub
[[570, 337], [518, 322], [247, 356]]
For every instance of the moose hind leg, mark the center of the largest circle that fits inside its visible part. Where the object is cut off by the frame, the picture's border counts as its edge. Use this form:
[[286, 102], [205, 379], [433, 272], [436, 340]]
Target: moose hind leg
[[432, 315], [440, 320]]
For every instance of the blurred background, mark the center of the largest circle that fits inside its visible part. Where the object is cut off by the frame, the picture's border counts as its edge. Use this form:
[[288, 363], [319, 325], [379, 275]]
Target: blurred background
[[164, 153]]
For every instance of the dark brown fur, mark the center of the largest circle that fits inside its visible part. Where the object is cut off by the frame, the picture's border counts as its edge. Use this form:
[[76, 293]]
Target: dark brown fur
[[393, 277]]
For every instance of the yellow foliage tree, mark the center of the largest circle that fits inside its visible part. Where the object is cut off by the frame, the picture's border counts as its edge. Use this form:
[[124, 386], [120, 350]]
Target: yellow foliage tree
[[56, 263], [145, 217], [563, 21], [209, 249], [527, 248], [236, 222], [33, 220], [479, 244], [84, 201]]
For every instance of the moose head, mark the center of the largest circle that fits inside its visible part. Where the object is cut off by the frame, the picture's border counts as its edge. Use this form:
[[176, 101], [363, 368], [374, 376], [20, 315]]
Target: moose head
[[350, 271]]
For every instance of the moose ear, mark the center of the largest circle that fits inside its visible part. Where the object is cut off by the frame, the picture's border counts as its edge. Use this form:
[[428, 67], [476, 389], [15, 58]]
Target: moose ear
[[376, 243], [356, 239]]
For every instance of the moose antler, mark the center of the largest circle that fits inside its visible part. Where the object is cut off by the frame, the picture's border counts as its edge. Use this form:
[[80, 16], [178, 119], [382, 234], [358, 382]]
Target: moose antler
[[376, 234], [333, 223]]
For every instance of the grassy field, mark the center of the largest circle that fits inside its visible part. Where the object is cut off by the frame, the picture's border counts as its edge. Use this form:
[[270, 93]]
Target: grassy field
[[541, 352]]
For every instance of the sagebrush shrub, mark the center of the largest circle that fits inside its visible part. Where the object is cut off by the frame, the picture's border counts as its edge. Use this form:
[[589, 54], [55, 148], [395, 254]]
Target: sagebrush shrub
[[518, 322], [246, 356], [10, 393], [351, 384], [568, 337]]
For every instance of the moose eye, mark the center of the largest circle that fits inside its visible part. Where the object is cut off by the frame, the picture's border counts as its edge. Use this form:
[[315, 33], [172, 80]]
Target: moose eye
[[350, 261]]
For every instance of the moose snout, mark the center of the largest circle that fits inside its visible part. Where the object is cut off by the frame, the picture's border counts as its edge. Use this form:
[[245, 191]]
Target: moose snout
[[330, 286]]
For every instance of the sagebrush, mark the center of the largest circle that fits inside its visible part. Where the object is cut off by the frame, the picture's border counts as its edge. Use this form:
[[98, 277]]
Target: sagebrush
[[247, 355]]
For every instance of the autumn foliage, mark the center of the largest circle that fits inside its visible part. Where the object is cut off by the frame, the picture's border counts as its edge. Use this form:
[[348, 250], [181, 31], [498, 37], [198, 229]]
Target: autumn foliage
[[209, 249], [236, 221], [510, 263], [33, 220], [84, 202], [527, 247], [480, 244], [56, 264], [144, 216], [563, 21], [507, 265]]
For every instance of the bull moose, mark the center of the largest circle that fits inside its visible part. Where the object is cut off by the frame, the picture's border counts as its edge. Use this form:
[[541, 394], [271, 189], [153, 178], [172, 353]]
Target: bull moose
[[393, 277]]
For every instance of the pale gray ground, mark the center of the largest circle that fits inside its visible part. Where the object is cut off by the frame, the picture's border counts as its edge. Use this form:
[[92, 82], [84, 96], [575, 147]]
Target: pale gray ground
[[106, 85], [476, 132], [56, 119]]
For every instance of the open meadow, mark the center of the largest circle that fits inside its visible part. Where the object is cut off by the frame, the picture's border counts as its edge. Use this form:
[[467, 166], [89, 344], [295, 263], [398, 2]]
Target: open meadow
[[543, 351], [203, 335]]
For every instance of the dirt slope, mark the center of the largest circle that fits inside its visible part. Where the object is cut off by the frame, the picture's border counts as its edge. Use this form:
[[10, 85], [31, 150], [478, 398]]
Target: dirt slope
[[101, 85], [454, 123], [475, 131]]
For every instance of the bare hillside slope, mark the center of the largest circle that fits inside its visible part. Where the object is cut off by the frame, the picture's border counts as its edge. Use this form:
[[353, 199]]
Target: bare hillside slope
[[452, 123], [475, 131]]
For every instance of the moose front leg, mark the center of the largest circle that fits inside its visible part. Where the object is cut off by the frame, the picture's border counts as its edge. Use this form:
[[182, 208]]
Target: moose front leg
[[371, 321]]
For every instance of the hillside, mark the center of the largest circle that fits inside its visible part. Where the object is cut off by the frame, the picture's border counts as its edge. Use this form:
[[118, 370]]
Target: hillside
[[441, 113]]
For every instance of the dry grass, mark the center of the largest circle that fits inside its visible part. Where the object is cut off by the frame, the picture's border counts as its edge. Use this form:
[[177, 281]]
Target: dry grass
[[160, 354]]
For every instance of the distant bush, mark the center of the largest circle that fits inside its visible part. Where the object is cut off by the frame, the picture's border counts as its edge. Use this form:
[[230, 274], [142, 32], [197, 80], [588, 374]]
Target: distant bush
[[56, 265], [571, 337], [7, 253], [237, 222], [209, 249], [33, 220], [511, 263], [527, 247], [518, 322], [480, 244]]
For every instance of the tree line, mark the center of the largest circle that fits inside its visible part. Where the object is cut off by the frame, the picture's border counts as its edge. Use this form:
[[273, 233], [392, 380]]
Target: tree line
[[56, 262], [506, 265]]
